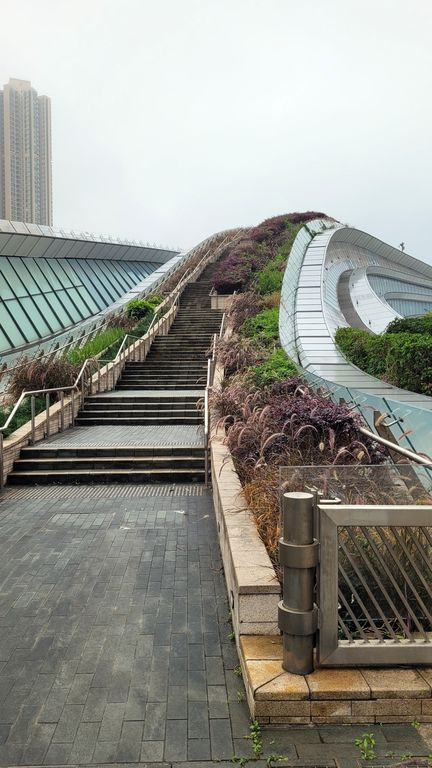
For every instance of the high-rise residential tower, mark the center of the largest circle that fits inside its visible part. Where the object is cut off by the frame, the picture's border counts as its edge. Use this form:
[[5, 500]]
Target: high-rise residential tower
[[25, 154]]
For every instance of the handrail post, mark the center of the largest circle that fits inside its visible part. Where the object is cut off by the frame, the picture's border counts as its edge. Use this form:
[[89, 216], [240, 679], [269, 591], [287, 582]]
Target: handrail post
[[298, 555], [82, 391], [62, 411], [98, 379], [73, 408], [32, 416], [206, 441], [47, 416]]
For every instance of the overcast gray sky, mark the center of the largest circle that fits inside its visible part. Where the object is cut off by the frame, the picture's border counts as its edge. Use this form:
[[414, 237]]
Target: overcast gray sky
[[174, 119]]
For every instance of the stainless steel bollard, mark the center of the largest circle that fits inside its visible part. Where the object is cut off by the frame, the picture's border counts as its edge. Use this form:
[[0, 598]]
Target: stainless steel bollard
[[298, 555]]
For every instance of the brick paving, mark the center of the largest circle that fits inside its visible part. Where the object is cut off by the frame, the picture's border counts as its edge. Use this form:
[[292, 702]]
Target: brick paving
[[114, 644]]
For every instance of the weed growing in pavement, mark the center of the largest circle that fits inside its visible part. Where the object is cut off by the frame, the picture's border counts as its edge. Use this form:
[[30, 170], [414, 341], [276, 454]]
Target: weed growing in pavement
[[274, 758], [240, 760], [366, 744], [237, 671], [256, 738]]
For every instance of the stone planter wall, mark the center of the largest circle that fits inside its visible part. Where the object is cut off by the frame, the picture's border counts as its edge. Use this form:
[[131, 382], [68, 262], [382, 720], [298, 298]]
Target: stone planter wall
[[221, 301], [253, 588]]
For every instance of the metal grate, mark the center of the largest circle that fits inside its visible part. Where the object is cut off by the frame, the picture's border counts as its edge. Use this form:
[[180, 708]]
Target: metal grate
[[385, 583], [98, 492], [375, 584]]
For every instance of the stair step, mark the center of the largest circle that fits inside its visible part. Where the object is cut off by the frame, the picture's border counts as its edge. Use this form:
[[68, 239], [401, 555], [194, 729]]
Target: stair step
[[83, 421], [127, 451], [164, 410], [142, 400], [159, 386], [106, 476], [108, 462]]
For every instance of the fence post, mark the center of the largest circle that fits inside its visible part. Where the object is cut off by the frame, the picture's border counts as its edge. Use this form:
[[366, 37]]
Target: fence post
[[62, 411], [47, 415], [298, 555]]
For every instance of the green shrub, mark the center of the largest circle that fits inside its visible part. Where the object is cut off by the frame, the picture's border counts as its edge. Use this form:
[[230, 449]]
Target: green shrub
[[269, 279], [364, 349], [409, 362], [411, 324], [277, 368], [264, 327], [141, 307], [402, 359]]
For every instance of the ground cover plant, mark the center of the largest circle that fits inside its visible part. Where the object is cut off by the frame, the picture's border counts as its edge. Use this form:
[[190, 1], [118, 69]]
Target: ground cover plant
[[270, 416], [401, 356]]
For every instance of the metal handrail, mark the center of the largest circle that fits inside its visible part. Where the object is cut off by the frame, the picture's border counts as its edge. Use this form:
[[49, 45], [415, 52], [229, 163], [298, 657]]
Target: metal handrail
[[207, 424], [416, 457], [78, 341], [222, 325], [25, 393], [211, 365], [168, 303], [173, 296], [120, 349]]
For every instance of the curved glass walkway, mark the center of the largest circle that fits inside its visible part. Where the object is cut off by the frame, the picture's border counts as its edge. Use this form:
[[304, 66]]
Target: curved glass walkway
[[339, 276]]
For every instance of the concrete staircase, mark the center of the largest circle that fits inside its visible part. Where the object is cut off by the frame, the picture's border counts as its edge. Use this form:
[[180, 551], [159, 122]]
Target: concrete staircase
[[133, 408], [153, 399], [46, 465]]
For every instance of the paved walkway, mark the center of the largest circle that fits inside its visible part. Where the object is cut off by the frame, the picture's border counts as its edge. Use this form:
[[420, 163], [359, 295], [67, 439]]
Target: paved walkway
[[114, 643]]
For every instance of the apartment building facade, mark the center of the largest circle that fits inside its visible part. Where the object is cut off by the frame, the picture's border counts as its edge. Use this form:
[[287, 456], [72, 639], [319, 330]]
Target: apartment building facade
[[25, 154]]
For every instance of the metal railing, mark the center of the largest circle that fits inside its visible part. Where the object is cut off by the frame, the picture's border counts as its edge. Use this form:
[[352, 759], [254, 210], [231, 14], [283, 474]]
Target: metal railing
[[370, 571], [211, 367], [54, 350], [113, 368], [79, 384]]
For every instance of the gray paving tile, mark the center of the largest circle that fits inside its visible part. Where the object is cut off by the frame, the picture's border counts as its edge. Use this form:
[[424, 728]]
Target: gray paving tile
[[152, 751], [218, 703], [129, 749], [155, 721], [199, 749], [84, 743], [105, 752], [111, 724], [36, 748], [67, 725], [95, 705], [177, 702], [221, 742], [176, 741], [198, 724], [58, 754]]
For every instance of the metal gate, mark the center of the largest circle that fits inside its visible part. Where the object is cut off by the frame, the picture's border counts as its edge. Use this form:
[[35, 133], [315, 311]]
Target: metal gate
[[357, 584]]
